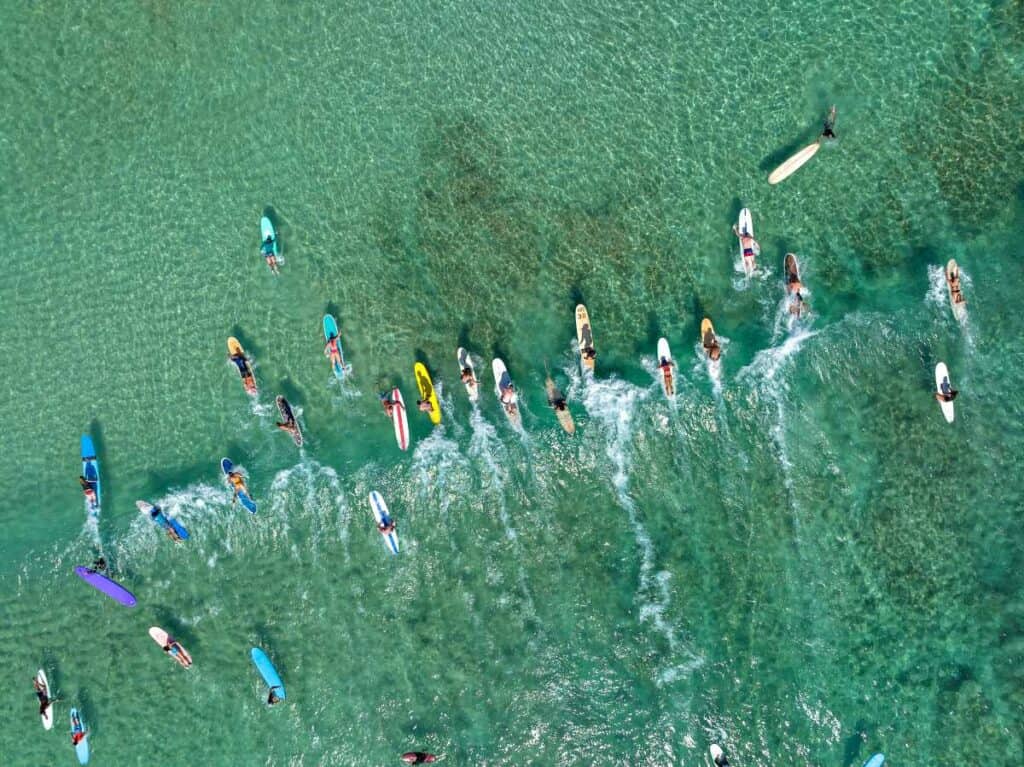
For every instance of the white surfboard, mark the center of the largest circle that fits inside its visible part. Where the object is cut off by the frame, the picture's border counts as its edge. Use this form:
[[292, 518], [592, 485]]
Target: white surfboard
[[668, 382], [47, 715], [400, 419], [465, 361], [380, 514], [503, 380], [745, 226], [794, 163], [942, 374]]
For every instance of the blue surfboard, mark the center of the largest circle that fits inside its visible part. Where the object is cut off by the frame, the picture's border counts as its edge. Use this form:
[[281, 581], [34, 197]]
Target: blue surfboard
[[161, 520], [82, 747], [876, 761], [267, 671], [331, 329], [91, 472], [243, 495]]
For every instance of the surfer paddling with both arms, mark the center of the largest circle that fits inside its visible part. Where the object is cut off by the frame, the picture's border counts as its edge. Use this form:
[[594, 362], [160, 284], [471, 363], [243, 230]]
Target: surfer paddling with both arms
[[45, 701], [418, 757]]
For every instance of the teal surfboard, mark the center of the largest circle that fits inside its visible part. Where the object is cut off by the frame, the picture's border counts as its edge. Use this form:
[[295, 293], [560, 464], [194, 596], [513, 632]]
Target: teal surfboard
[[876, 761], [331, 329], [267, 671], [267, 230]]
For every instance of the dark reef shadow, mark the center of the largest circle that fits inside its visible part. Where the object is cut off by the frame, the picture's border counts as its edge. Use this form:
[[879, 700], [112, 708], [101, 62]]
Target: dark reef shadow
[[168, 620], [252, 349]]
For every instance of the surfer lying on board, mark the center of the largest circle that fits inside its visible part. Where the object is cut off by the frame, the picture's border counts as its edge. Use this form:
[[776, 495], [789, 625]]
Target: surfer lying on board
[[712, 347], [828, 130], [947, 393], [418, 757], [173, 648], [88, 489], [388, 403], [267, 249], [387, 525], [288, 426], [45, 701], [424, 405], [954, 287], [748, 243], [666, 366], [467, 376], [508, 395], [158, 516], [272, 698], [237, 484], [589, 353], [332, 351]]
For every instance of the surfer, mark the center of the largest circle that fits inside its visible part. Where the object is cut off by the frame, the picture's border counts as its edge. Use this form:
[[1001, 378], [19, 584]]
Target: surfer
[[332, 350], [267, 249], [589, 353], [78, 732], [88, 489], [721, 760], [747, 243], [99, 565], [828, 130], [946, 392], [712, 347], [425, 405], [666, 366], [467, 376], [388, 403], [237, 484], [387, 525], [508, 395], [418, 757], [273, 697], [288, 426], [954, 286], [45, 701]]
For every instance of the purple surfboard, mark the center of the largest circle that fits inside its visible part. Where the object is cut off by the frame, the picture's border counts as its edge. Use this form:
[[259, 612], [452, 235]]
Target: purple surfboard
[[102, 583]]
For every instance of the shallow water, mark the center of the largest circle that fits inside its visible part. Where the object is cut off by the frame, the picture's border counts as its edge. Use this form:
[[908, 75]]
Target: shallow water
[[798, 560]]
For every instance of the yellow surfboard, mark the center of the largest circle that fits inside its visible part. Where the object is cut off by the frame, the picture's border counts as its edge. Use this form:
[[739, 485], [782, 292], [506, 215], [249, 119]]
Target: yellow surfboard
[[585, 336], [234, 347], [426, 387], [707, 334]]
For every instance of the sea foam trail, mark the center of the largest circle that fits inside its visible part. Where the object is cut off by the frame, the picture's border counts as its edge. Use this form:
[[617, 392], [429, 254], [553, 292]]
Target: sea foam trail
[[937, 297], [613, 404]]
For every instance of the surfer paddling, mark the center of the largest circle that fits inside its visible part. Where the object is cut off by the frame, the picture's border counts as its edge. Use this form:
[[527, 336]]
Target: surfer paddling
[[828, 129], [418, 757], [45, 701], [267, 249], [273, 698], [665, 365], [946, 392]]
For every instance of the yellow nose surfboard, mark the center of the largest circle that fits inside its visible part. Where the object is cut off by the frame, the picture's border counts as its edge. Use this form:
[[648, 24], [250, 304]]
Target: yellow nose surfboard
[[426, 387]]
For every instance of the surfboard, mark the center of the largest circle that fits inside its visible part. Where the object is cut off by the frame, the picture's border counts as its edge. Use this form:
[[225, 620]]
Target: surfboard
[[162, 638], [267, 229], [707, 334], [668, 383], [161, 520], [472, 386], [331, 329], [502, 380], [959, 307], [718, 756], [105, 585], [47, 715], [794, 163], [243, 495], [91, 472], [427, 392], [248, 381], [285, 409], [400, 419], [942, 374], [875, 761], [555, 395], [380, 514], [584, 335], [267, 671], [82, 747], [745, 226]]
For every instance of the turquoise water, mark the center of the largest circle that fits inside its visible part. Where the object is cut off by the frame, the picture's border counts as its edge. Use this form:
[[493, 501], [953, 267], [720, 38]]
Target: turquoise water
[[801, 561]]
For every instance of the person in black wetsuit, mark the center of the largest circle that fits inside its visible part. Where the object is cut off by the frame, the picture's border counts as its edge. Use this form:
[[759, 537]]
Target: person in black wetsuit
[[828, 131]]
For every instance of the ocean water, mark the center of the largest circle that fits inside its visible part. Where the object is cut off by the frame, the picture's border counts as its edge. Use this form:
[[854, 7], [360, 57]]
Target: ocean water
[[797, 559]]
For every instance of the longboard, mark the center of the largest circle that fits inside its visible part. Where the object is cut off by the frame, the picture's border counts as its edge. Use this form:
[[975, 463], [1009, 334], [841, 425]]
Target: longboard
[[248, 381], [267, 671], [875, 761], [91, 472], [584, 335], [82, 747], [563, 415], [718, 756], [243, 495], [285, 409], [426, 386], [794, 163], [399, 419], [380, 514], [668, 384], [942, 374], [331, 329], [162, 638], [959, 307], [105, 585], [47, 715], [502, 380], [163, 521], [473, 385], [745, 226]]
